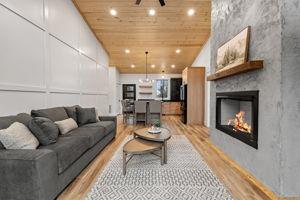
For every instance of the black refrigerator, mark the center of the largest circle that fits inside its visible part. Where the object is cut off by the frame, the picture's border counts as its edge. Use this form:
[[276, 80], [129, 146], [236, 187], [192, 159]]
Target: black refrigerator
[[183, 99]]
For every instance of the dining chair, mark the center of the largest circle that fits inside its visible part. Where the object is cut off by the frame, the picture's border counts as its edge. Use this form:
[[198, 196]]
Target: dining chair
[[140, 111], [127, 110], [155, 112]]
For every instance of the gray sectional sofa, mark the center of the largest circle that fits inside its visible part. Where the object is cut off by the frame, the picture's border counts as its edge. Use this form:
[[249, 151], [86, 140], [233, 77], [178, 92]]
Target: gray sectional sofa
[[43, 173]]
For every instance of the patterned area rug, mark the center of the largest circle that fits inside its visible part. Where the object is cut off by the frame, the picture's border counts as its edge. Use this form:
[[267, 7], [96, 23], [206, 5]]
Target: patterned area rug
[[185, 176]]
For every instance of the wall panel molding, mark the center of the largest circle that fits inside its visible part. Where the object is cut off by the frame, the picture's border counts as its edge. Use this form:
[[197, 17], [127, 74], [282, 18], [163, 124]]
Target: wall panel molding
[[63, 91], [22, 88]]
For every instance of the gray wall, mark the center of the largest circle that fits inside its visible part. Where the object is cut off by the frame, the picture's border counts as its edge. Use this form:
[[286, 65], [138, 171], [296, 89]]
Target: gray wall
[[290, 124], [229, 17]]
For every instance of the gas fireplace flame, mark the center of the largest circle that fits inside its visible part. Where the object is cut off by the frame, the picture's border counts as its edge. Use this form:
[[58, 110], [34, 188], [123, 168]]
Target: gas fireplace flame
[[239, 122]]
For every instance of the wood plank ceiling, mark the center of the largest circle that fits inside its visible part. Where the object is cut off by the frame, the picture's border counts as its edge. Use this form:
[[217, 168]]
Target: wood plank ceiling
[[132, 28]]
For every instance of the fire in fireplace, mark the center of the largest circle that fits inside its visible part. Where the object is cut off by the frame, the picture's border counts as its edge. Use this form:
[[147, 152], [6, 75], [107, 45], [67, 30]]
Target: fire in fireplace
[[237, 115], [239, 123]]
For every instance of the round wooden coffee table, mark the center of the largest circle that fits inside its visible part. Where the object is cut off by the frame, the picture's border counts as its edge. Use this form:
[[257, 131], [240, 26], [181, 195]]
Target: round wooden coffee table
[[162, 138], [138, 146]]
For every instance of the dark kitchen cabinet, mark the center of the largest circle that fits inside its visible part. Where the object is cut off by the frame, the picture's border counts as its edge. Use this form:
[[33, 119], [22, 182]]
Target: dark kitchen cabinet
[[175, 88], [129, 91]]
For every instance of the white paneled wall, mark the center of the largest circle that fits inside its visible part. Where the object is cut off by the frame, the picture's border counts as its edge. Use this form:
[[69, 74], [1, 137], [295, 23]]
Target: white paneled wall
[[21, 51], [64, 66], [29, 9], [49, 57], [64, 25]]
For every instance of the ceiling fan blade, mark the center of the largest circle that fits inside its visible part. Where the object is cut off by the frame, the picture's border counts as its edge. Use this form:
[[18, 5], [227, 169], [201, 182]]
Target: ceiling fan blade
[[162, 2], [138, 2]]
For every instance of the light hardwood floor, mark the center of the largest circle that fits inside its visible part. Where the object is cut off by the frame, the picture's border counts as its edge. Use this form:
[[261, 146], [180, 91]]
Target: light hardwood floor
[[241, 185]]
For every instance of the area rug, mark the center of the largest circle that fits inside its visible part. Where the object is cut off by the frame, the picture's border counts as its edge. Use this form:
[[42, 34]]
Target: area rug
[[185, 176]]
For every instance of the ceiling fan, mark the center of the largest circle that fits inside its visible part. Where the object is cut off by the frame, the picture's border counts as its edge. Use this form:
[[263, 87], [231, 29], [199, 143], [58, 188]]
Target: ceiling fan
[[162, 2]]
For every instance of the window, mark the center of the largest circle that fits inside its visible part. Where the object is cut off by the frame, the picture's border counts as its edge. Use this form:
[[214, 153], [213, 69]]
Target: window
[[162, 88]]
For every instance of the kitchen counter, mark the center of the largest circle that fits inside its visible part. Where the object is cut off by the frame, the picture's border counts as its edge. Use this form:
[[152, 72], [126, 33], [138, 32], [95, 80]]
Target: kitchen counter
[[171, 108]]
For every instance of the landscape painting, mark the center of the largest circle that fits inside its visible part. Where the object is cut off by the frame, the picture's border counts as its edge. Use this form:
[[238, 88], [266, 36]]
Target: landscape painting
[[233, 52]]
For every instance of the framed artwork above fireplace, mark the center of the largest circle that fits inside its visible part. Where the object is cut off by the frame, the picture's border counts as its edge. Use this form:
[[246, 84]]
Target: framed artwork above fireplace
[[234, 52]]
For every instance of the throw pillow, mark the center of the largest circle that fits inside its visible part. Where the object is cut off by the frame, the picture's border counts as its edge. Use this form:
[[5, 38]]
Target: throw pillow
[[18, 136], [97, 115], [45, 130], [86, 115], [1, 146], [71, 111], [66, 125]]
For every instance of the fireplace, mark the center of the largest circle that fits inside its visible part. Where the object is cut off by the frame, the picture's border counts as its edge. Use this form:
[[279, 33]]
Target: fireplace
[[237, 115]]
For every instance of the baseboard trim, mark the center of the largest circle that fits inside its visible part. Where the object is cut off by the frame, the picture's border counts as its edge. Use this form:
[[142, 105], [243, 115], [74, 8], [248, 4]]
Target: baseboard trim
[[246, 174]]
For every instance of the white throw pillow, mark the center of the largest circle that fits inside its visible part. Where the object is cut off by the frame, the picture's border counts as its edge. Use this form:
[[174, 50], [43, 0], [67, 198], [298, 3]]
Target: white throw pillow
[[66, 125], [97, 115], [18, 136]]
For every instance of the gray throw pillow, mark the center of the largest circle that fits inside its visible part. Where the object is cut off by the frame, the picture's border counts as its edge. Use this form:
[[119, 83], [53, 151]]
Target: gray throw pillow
[[54, 114], [45, 130], [71, 111], [1, 146], [86, 116]]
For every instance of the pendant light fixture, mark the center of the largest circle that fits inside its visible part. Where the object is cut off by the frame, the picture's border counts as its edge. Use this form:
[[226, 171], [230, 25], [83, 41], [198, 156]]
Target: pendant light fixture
[[146, 80]]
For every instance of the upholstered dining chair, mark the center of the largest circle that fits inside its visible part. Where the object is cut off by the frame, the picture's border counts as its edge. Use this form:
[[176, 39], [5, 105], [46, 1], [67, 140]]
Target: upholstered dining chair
[[155, 112], [140, 111], [127, 111]]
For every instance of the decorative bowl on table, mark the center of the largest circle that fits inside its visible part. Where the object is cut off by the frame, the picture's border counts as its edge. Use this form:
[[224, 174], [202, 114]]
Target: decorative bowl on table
[[154, 130]]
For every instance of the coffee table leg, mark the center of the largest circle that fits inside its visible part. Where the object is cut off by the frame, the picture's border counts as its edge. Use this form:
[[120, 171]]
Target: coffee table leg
[[165, 152], [124, 163], [162, 155]]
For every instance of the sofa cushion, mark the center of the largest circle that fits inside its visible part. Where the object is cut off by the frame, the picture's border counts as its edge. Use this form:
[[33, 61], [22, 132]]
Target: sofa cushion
[[44, 130], [108, 126], [55, 114], [68, 150], [86, 115], [71, 111], [94, 134]]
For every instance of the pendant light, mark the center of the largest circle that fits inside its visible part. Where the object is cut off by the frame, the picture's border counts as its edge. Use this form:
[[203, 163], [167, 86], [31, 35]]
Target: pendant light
[[146, 80]]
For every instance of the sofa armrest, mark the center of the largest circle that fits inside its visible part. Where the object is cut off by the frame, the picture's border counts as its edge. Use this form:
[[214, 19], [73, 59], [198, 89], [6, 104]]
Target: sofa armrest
[[28, 174], [110, 118]]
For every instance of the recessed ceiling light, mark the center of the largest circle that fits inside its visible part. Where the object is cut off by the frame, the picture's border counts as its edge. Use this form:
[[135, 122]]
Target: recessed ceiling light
[[151, 12], [127, 51], [191, 12], [178, 50], [132, 66], [113, 12], [153, 66], [173, 66]]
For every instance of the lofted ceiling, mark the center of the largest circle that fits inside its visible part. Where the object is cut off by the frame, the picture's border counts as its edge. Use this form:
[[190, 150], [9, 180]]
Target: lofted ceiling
[[132, 28]]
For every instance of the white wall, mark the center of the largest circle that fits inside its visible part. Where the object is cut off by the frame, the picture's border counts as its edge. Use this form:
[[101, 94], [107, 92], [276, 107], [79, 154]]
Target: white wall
[[203, 60], [114, 91], [134, 79], [49, 57]]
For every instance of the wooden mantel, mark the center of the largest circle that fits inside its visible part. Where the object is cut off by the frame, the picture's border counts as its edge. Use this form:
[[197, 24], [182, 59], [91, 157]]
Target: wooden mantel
[[245, 67]]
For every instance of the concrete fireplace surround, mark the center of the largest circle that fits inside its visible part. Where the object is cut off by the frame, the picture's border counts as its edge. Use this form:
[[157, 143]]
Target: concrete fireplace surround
[[275, 38]]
